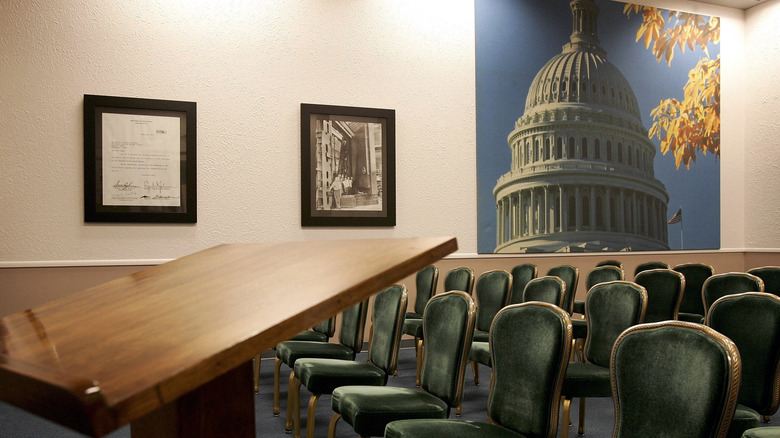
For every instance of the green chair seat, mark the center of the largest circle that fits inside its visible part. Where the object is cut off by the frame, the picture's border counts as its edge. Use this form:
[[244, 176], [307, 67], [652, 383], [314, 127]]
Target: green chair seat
[[369, 408], [310, 336], [451, 428], [579, 307], [332, 373], [762, 432], [586, 380], [744, 419], [413, 327], [413, 315], [480, 353], [290, 351]]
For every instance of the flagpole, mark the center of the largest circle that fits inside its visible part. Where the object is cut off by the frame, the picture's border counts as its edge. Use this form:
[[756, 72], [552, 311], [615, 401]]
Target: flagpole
[[682, 242]]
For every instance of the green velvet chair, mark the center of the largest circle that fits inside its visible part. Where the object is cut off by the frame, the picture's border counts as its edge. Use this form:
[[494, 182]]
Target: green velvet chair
[[752, 321], [665, 288], [448, 323], [610, 308], [771, 277], [691, 306], [323, 375], [645, 266], [728, 283], [321, 332], [657, 390], [491, 294], [462, 279], [546, 289], [521, 275], [571, 276], [530, 344], [353, 324], [599, 274]]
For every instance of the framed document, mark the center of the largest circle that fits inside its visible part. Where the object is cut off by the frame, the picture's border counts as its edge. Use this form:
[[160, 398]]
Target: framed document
[[139, 160], [347, 166]]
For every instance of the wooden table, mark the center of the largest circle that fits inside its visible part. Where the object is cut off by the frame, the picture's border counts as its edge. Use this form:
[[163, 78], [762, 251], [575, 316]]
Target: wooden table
[[169, 349]]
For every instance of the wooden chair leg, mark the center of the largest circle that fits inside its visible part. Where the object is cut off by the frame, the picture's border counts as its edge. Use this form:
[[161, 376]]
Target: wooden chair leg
[[294, 406], [311, 417], [332, 426], [475, 367], [566, 419], [581, 429], [767, 419], [256, 374], [291, 402], [459, 410], [277, 371], [418, 349]]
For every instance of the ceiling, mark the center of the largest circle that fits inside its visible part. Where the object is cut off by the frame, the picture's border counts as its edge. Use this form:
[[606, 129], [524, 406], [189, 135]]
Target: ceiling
[[739, 4]]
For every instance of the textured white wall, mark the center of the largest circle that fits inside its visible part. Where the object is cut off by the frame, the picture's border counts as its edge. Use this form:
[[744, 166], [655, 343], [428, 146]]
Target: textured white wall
[[249, 64], [762, 179]]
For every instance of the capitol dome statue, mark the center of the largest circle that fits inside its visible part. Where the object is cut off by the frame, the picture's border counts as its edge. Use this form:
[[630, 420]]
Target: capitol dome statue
[[581, 176]]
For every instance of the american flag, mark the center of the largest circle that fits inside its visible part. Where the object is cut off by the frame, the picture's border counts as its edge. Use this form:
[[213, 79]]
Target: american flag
[[676, 218]]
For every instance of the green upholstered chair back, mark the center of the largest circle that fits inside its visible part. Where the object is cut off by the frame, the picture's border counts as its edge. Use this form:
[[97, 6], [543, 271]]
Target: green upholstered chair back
[[728, 283], [615, 263], [461, 278], [327, 327], [530, 347], [752, 321], [603, 274], [353, 324], [547, 289], [664, 293], [426, 281], [388, 313], [571, 276], [521, 275], [491, 294], [674, 379], [448, 326], [611, 308], [695, 276], [650, 265], [771, 277]]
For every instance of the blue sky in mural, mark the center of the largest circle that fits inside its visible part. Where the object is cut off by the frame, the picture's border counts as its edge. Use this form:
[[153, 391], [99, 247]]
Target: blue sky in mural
[[514, 40]]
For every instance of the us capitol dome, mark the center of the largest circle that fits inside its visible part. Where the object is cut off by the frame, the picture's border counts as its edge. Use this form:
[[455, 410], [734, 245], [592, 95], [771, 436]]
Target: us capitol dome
[[581, 175]]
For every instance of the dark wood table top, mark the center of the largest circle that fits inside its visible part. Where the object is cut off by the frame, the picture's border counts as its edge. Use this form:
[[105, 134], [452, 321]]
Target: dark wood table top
[[103, 357]]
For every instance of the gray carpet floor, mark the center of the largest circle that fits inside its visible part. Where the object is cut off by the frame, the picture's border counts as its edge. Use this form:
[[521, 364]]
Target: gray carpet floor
[[16, 423]]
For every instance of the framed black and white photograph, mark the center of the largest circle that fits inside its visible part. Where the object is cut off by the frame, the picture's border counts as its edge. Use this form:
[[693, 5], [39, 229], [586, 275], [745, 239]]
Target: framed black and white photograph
[[347, 166], [139, 160]]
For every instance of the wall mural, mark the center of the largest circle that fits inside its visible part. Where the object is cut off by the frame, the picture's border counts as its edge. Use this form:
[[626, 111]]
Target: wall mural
[[598, 127]]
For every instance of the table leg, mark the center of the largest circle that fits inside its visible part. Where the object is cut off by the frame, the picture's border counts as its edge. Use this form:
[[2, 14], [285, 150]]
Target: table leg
[[223, 407]]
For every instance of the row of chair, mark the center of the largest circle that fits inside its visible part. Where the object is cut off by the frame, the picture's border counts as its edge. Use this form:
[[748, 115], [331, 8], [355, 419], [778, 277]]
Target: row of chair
[[324, 375]]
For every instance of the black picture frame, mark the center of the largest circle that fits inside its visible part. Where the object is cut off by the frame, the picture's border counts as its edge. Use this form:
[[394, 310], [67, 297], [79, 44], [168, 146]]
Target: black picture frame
[[358, 146], [131, 137]]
